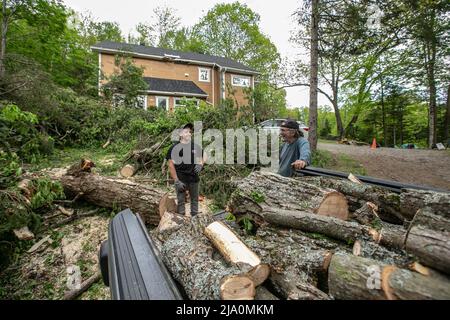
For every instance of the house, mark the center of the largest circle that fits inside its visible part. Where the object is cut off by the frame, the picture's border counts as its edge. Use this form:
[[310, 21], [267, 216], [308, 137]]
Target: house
[[175, 75]]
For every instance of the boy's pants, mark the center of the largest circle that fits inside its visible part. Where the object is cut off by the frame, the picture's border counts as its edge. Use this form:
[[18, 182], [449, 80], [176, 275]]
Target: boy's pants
[[193, 188]]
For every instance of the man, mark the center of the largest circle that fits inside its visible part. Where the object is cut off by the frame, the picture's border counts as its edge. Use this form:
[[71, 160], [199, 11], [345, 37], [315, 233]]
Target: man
[[295, 153], [185, 160]]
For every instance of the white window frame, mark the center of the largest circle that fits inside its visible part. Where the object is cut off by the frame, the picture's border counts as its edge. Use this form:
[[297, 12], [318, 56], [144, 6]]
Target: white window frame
[[175, 105], [162, 97], [145, 100], [200, 73], [233, 76]]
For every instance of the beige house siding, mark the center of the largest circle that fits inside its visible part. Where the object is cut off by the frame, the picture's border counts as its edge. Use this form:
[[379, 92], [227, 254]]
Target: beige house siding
[[179, 71], [237, 93]]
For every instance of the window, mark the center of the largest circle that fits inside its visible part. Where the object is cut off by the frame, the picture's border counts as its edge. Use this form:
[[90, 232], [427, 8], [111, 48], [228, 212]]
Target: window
[[240, 81], [203, 74], [162, 103], [141, 102], [182, 102]]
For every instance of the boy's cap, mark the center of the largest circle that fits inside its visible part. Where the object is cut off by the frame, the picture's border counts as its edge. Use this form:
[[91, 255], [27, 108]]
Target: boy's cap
[[189, 126]]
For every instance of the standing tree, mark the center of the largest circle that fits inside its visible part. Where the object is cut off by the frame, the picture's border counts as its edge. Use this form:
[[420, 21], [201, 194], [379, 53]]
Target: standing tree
[[314, 56]]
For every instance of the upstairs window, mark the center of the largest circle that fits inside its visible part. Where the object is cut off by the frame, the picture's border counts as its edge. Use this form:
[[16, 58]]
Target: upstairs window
[[240, 81], [203, 75]]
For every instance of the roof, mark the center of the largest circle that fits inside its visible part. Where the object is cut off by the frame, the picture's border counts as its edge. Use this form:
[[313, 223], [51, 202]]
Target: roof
[[161, 53], [175, 87]]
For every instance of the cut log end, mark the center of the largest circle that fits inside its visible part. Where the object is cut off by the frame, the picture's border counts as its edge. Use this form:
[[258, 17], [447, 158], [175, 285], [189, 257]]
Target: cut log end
[[259, 274], [127, 171], [334, 205], [237, 288], [167, 203]]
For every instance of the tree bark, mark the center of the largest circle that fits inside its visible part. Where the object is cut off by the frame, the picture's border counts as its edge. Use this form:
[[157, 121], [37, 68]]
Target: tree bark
[[352, 277], [262, 190], [314, 56], [412, 200], [4, 33], [332, 227], [112, 192], [429, 238], [195, 264], [388, 203], [447, 118]]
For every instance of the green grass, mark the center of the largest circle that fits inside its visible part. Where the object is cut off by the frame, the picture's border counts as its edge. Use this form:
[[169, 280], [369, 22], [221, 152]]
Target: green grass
[[325, 159], [107, 162]]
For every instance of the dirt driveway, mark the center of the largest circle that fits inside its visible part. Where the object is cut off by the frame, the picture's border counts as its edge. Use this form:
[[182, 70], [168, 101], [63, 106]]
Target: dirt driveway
[[414, 166]]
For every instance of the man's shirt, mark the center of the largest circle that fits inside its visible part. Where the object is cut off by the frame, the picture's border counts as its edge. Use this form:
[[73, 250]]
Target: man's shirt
[[290, 152], [185, 162]]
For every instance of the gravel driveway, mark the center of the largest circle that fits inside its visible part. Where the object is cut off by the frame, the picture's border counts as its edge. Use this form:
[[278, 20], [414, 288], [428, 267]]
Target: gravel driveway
[[414, 166]]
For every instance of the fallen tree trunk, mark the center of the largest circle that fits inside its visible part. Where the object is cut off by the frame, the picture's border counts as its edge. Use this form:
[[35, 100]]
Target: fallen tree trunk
[[112, 192], [267, 190], [352, 277], [200, 270], [357, 194], [341, 230]]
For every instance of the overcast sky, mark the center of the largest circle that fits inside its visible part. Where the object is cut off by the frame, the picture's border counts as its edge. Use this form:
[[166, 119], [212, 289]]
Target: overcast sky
[[276, 22]]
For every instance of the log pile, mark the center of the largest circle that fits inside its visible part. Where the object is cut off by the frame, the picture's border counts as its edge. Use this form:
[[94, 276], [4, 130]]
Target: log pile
[[312, 238], [388, 246]]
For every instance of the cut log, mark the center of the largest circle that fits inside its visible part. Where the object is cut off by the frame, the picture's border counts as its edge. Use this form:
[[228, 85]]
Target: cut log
[[237, 287], [236, 252], [266, 190], [341, 230], [128, 170], [430, 246], [357, 194], [116, 193], [195, 264], [412, 200], [352, 277], [429, 234], [169, 223]]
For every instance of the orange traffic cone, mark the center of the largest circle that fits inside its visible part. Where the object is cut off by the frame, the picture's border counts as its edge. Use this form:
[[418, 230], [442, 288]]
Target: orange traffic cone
[[374, 144]]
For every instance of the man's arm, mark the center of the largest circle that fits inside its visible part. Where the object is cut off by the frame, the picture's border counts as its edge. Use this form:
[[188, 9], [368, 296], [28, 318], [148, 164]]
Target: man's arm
[[172, 171], [305, 155]]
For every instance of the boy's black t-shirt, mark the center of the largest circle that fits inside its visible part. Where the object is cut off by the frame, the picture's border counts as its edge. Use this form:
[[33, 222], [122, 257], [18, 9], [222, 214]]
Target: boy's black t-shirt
[[184, 166]]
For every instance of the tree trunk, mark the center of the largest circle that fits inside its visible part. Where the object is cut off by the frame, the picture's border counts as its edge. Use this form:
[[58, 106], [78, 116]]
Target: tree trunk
[[4, 33], [266, 190], [387, 202], [383, 113], [352, 278], [196, 265], [112, 192], [314, 52], [447, 119], [332, 227]]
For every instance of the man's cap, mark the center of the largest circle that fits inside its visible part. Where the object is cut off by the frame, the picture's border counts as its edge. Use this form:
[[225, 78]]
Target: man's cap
[[291, 124], [189, 126]]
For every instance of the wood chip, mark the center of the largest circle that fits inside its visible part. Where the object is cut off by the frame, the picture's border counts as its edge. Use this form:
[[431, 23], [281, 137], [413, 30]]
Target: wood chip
[[23, 233]]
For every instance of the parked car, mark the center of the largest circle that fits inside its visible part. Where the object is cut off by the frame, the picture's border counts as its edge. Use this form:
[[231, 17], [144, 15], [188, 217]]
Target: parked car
[[274, 126]]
